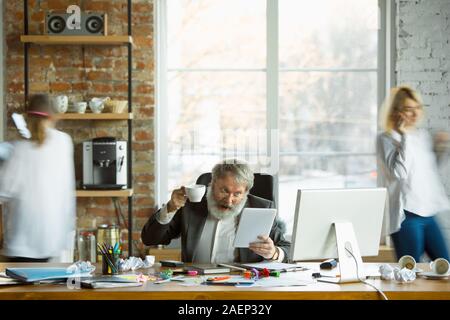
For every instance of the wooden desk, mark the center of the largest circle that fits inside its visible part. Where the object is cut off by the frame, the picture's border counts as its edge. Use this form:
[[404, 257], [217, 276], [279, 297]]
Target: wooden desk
[[385, 254], [419, 289]]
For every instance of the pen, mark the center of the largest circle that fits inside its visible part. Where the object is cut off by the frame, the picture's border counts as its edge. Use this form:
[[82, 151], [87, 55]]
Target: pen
[[188, 272], [177, 278], [161, 281], [180, 278], [319, 275], [295, 269], [218, 278]]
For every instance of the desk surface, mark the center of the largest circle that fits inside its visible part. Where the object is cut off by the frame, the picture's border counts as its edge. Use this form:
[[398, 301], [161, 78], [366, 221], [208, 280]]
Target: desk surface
[[421, 288]]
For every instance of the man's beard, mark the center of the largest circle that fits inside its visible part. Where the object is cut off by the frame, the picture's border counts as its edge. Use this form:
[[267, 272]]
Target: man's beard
[[213, 206]]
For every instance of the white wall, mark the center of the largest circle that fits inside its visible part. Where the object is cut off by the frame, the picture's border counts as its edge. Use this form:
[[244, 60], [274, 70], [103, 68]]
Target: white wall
[[423, 61]]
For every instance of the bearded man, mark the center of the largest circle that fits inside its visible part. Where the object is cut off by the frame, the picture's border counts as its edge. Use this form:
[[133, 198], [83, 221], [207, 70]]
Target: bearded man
[[208, 228]]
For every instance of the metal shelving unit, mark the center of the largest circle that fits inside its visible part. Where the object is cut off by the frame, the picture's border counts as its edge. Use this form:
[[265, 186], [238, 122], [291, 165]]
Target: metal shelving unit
[[127, 40]]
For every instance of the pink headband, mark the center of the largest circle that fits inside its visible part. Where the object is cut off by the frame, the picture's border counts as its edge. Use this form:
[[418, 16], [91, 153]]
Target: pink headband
[[38, 113]]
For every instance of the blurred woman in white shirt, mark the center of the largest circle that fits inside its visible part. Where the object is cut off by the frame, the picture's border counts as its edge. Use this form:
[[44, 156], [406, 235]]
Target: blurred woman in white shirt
[[408, 160], [38, 183]]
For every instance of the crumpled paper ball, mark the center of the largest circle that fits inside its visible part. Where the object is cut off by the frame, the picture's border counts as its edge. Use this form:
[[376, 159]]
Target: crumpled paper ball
[[81, 267], [404, 275], [386, 272], [134, 263], [401, 275]]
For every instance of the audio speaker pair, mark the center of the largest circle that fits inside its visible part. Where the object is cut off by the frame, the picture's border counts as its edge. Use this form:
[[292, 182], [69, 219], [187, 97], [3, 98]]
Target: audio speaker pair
[[90, 24]]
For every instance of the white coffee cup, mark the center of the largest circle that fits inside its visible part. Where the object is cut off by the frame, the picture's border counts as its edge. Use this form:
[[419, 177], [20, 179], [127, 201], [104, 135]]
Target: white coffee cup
[[80, 107], [440, 266], [407, 262], [195, 192]]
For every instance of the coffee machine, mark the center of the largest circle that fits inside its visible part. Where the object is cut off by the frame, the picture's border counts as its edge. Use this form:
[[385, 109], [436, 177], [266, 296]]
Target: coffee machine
[[105, 164]]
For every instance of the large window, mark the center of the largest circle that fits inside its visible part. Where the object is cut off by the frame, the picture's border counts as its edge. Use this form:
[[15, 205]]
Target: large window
[[291, 86]]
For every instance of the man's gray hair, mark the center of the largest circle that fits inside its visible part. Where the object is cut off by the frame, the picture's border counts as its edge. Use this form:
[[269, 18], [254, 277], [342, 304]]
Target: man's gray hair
[[238, 168]]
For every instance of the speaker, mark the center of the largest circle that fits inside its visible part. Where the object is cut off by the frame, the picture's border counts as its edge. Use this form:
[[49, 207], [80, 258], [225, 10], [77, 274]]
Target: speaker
[[90, 24]]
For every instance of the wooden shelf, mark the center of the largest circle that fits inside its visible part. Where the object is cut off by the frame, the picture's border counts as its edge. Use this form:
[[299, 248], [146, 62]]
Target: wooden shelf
[[94, 116], [76, 40], [104, 193]]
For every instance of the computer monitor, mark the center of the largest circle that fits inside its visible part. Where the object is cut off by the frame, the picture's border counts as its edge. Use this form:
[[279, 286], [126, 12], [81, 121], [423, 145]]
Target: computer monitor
[[338, 223]]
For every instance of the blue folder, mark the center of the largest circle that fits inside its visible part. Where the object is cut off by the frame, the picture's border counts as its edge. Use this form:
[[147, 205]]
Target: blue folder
[[40, 274]]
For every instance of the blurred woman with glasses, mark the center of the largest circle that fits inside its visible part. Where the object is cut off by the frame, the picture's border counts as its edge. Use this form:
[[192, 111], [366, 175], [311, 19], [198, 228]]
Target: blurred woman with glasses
[[408, 161]]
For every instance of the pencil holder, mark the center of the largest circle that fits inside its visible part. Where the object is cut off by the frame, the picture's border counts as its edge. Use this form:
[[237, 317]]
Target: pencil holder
[[110, 265]]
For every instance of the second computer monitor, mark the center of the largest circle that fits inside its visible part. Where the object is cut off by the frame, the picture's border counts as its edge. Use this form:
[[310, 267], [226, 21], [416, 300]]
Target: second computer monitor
[[316, 211]]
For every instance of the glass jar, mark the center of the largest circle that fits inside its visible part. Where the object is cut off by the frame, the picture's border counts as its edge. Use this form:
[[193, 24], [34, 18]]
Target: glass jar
[[87, 246]]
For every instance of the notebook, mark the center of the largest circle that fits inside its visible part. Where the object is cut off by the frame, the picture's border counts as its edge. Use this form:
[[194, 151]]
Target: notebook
[[231, 281], [40, 274], [109, 285], [274, 266], [106, 282], [208, 268]]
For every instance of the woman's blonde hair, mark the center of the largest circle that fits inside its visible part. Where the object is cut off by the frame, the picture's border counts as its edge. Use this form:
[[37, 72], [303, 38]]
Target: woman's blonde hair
[[394, 104], [39, 112]]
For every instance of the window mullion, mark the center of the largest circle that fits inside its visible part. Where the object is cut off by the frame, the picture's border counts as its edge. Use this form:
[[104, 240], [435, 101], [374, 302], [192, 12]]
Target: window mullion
[[161, 134], [272, 89]]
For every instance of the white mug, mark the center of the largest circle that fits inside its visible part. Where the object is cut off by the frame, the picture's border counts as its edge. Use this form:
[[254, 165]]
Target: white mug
[[80, 107], [195, 192], [440, 266], [407, 262], [97, 104]]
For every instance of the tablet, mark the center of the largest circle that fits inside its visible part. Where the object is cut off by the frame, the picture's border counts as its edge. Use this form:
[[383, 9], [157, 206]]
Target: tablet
[[253, 222]]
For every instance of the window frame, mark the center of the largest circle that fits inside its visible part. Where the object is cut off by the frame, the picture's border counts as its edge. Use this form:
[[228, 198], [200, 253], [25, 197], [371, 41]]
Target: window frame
[[385, 76]]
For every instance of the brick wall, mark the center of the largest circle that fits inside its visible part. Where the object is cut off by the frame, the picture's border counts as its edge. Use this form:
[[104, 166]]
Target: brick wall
[[86, 72], [423, 61]]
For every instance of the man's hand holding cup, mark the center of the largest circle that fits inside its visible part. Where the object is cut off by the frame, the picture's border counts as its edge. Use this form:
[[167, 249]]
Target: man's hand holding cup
[[179, 196], [177, 200]]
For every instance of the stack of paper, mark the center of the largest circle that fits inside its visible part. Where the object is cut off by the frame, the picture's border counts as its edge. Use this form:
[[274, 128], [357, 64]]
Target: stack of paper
[[5, 280], [106, 282]]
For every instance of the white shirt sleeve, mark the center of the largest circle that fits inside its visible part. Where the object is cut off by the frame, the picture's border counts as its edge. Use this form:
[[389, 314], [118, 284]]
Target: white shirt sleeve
[[164, 217], [11, 175], [280, 255], [395, 157]]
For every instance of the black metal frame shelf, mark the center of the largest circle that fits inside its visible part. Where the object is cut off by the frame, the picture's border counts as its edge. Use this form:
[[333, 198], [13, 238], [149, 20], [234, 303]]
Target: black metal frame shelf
[[127, 40]]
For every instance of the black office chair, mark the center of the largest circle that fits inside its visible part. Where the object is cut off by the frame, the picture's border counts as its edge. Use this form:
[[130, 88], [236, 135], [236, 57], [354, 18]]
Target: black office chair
[[262, 186]]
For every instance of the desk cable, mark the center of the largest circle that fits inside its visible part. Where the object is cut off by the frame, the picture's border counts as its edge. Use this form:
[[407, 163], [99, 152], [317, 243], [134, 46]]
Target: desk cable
[[364, 281]]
